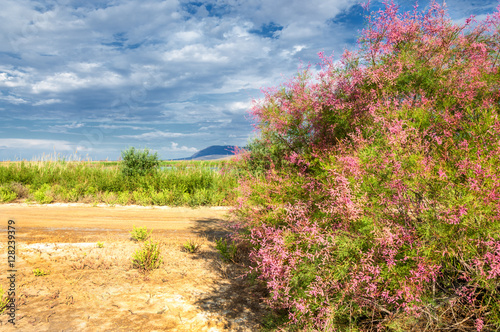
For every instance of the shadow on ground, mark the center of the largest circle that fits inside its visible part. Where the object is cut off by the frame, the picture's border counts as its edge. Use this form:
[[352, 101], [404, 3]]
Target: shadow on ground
[[239, 297]]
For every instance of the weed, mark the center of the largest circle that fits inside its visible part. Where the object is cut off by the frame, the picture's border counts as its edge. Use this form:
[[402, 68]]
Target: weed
[[109, 198], [148, 257], [40, 272], [227, 251], [192, 246], [140, 233], [100, 245]]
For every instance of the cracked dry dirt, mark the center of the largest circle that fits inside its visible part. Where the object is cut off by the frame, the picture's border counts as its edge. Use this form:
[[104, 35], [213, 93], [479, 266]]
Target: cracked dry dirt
[[96, 289]]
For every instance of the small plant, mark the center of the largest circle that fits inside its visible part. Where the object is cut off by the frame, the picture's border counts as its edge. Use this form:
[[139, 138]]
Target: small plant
[[100, 245], [140, 233], [4, 300], [227, 251], [192, 246], [148, 257], [40, 272], [138, 162]]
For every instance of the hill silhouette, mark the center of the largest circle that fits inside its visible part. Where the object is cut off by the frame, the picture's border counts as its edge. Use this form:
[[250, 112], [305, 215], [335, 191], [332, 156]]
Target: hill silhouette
[[213, 152]]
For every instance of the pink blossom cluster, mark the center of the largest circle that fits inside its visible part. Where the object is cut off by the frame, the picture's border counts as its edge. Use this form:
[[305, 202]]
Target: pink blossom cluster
[[380, 199]]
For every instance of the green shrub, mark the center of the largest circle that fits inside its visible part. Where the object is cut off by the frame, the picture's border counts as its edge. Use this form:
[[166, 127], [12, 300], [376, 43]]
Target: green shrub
[[21, 190], [138, 162], [142, 197], [140, 233], [7, 195], [148, 257], [123, 198], [44, 194]]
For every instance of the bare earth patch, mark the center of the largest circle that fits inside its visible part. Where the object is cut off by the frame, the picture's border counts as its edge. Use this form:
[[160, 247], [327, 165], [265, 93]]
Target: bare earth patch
[[88, 288]]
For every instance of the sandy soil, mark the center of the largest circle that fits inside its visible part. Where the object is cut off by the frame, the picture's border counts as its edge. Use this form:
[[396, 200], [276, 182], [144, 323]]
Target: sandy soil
[[96, 289]]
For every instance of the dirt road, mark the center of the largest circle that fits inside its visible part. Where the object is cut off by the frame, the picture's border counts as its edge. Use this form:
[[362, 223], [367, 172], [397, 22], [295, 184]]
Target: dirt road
[[88, 288]]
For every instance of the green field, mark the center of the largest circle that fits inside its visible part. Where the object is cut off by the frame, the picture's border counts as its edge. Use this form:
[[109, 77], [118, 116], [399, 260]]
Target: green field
[[173, 183]]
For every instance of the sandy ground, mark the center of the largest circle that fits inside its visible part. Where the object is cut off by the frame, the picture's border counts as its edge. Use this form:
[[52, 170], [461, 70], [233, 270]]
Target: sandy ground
[[88, 288]]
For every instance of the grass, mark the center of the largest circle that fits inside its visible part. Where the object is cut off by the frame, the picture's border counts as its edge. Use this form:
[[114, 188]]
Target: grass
[[148, 257], [176, 183], [228, 251], [192, 245], [140, 234], [40, 272]]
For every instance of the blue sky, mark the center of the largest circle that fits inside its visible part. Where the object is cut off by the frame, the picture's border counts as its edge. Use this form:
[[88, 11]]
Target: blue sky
[[90, 78]]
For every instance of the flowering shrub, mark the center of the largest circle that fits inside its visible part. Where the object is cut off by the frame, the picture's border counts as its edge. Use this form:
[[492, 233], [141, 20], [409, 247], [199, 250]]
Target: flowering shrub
[[383, 212]]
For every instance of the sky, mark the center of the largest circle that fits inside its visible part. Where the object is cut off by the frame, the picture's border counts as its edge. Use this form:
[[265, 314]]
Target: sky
[[87, 79]]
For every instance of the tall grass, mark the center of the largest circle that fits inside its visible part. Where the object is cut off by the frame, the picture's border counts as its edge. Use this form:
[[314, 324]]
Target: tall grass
[[191, 183]]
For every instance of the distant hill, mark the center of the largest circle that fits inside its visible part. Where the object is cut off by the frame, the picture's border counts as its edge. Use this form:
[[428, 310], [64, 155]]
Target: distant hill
[[213, 152]]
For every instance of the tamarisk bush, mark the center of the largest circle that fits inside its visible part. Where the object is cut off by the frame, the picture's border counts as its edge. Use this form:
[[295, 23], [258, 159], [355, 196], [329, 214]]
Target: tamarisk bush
[[383, 212]]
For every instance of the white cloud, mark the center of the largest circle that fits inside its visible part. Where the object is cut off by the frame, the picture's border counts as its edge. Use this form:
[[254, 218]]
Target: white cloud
[[112, 127], [156, 135], [47, 102], [239, 106], [174, 147], [67, 81], [63, 128], [44, 144], [196, 53], [13, 100]]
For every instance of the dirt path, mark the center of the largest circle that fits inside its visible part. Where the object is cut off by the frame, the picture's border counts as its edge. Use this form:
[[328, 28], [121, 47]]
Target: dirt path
[[96, 289]]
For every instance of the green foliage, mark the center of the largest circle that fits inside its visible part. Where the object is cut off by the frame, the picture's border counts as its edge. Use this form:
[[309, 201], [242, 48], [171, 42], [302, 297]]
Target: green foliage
[[228, 251], [274, 320], [262, 155], [140, 233], [7, 195], [139, 162], [40, 272], [194, 183], [44, 194], [148, 257], [100, 245]]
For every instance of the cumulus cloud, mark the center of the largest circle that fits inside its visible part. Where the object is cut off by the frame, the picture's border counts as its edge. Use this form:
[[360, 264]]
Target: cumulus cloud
[[175, 147]]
